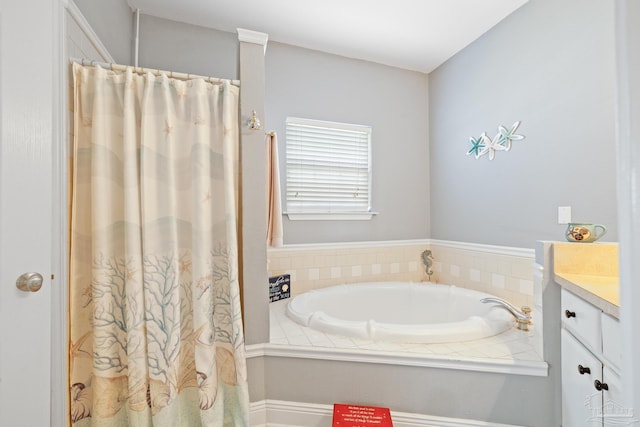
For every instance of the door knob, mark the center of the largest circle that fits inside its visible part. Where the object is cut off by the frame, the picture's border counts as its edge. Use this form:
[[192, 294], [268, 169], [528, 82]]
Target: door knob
[[569, 314], [29, 282]]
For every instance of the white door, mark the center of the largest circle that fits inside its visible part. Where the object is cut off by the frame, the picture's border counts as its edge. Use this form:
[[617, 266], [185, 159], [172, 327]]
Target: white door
[[27, 73]]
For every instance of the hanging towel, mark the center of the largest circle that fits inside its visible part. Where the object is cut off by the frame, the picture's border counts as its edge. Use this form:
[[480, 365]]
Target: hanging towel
[[274, 207]]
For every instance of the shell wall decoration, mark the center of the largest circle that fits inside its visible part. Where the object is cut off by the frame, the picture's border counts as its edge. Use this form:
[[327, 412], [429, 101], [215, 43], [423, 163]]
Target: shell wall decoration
[[501, 142]]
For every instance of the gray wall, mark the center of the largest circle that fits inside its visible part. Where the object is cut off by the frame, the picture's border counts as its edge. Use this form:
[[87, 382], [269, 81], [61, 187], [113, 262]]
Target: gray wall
[[176, 46], [551, 65], [315, 85], [489, 397], [113, 22]]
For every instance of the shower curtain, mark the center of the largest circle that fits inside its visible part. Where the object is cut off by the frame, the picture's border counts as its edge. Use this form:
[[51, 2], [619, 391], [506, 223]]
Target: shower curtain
[[155, 336]]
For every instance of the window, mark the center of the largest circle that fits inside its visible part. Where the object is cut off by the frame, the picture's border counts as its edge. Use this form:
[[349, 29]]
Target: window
[[328, 170]]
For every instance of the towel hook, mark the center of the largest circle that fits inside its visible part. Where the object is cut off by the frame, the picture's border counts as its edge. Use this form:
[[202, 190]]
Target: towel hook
[[254, 121]]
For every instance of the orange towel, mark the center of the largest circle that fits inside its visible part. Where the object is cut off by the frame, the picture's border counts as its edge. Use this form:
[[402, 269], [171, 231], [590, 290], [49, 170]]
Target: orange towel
[[274, 204]]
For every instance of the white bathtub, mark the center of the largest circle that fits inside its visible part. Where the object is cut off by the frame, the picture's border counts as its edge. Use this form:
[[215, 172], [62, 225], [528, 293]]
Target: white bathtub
[[400, 312]]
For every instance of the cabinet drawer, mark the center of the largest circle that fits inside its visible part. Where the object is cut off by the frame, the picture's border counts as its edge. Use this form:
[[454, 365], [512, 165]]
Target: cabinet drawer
[[582, 319], [611, 344]]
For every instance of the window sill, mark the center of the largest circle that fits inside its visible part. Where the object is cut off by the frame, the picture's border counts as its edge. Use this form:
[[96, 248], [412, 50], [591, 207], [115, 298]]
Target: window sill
[[337, 216]]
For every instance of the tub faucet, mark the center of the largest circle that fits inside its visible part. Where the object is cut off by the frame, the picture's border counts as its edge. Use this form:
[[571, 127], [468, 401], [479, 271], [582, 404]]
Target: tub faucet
[[427, 260], [523, 316]]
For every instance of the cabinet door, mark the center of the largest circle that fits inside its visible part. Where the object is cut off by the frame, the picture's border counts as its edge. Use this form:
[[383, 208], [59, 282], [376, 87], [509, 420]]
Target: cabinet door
[[581, 402], [616, 409], [611, 342]]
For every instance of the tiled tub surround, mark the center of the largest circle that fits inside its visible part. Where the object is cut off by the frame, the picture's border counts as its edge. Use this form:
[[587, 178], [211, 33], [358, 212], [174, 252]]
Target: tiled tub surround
[[501, 271], [319, 266], [504, 272]]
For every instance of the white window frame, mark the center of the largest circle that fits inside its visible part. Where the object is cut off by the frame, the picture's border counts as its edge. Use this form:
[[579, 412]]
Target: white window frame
[[310, 212]]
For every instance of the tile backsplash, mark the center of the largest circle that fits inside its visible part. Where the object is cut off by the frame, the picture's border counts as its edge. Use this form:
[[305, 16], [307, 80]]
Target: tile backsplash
[[504, 272], [319, 266]]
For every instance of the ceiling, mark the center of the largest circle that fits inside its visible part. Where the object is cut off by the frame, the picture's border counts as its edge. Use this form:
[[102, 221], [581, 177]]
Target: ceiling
[[412, 34]]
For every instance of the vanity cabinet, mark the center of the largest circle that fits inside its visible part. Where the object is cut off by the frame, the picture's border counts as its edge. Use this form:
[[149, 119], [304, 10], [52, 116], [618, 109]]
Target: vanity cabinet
[[591, 353]]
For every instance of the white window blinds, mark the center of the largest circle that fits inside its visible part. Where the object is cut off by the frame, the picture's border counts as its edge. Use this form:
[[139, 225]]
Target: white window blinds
[[328, 167]]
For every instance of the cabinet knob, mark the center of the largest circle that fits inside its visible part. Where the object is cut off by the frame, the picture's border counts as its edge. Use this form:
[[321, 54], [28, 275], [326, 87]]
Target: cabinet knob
[[583, 370], [569, 314], [600, 386]]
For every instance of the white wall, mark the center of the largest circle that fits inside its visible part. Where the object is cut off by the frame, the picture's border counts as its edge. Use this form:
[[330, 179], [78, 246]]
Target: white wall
[[551, 65]]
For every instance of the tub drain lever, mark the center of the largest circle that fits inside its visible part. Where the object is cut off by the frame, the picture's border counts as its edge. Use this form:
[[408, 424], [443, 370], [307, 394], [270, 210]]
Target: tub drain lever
[[523, 316]]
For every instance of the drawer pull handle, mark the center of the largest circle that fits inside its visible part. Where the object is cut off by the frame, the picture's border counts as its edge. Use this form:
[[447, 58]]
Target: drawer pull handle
[[600, 386], [583, 370], [569, 314]]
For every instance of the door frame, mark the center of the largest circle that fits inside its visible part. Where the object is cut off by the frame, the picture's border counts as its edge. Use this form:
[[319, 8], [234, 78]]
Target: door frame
[[63, 10], [627, 28], [59, 214]]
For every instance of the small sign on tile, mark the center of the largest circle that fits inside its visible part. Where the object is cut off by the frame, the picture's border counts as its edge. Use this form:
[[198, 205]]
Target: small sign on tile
[[360, 416], [279, 287]]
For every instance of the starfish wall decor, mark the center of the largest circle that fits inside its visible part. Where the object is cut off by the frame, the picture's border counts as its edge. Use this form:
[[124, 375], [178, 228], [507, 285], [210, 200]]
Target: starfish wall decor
[[501, 142]]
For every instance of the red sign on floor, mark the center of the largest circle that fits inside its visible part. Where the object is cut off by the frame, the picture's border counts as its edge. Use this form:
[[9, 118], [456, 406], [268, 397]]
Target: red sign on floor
[[360, 416]]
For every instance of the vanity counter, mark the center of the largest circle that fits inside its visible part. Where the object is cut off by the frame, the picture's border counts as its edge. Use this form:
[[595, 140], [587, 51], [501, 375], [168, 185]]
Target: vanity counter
[[590, 271], [601, 291]]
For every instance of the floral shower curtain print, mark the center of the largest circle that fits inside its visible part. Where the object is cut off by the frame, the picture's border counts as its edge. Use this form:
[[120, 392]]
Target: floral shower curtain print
[[155, 336]]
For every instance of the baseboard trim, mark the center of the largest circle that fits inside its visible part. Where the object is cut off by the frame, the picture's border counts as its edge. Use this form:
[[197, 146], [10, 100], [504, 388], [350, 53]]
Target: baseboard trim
[[278, 413]]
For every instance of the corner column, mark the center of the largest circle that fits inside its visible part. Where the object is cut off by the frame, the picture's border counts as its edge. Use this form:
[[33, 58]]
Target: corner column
[[253, 208]]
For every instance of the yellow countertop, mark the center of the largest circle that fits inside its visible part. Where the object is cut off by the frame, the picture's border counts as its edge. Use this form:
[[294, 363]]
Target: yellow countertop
[[590, 271], [601, 291]]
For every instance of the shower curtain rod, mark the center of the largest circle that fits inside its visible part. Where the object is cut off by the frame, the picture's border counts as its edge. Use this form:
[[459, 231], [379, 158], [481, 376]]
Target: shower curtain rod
[[140, 70]]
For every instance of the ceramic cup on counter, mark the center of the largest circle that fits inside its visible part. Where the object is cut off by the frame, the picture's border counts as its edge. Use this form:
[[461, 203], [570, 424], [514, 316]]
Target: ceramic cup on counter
[[584, 233]]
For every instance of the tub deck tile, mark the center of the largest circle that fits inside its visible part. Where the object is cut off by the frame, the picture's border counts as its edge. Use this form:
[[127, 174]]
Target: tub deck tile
[[510, 345]]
